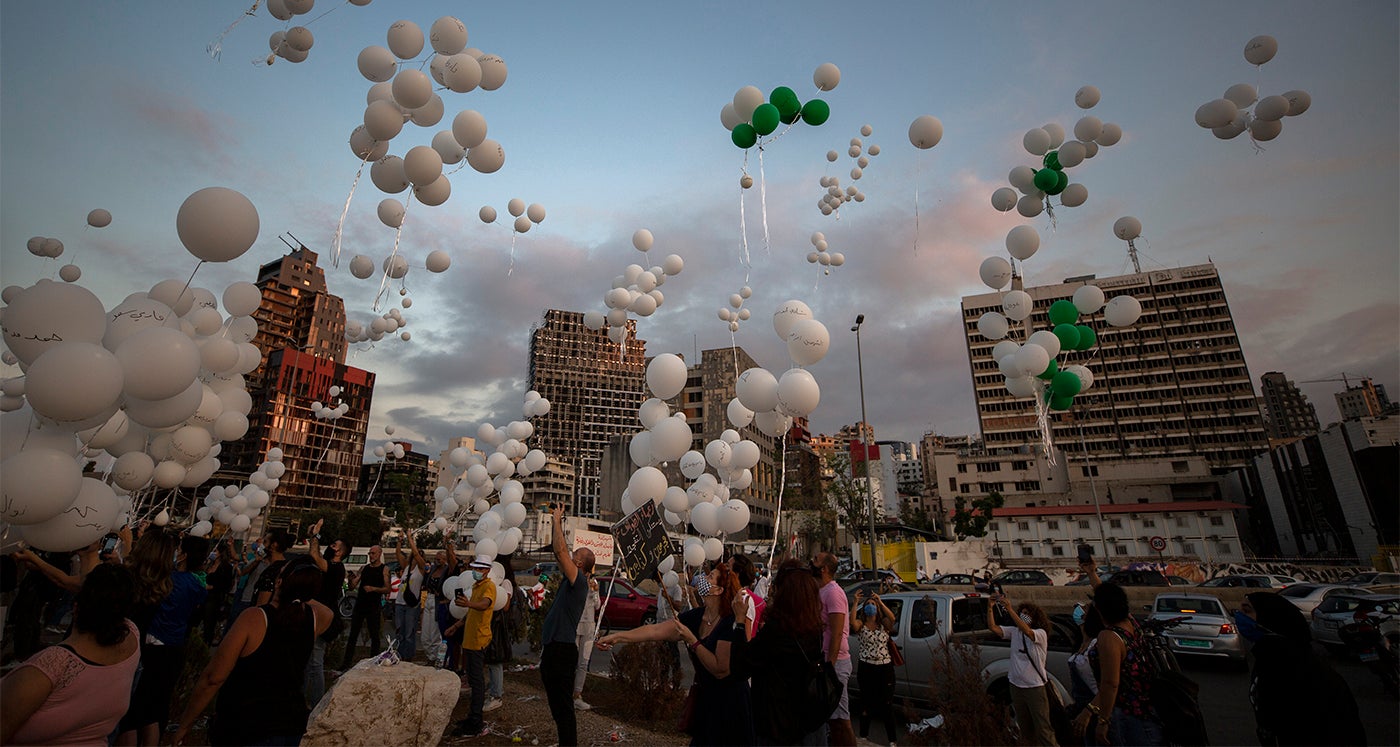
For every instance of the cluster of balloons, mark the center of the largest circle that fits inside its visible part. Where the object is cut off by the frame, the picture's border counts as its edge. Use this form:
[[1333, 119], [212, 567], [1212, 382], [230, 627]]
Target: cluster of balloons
[[294, 43], [390, 449], [637, 291], [322, 412], [51, 248], [1230, 116], [749, 117], [735, 311], [383, 325], [834, 196], [237, 506], [1036, 185], [820, 256], [480, 477], [525, 216], [464, 581], [807, 339], [155, 383]]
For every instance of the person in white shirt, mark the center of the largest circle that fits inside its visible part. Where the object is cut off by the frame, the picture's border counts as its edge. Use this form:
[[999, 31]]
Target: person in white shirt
[[1029, 683], [583, 636]]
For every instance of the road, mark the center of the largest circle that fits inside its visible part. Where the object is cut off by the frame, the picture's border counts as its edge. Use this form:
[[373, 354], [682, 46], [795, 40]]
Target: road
[[1225, 698]]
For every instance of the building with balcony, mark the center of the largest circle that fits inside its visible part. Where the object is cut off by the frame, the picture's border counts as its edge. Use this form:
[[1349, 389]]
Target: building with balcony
[[1287, 411]]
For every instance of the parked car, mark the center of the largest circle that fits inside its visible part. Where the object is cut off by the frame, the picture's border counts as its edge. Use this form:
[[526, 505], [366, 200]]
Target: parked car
[[1128, 578], [1238, 582], [1373, 578], [627, 606], [1339, 609], [1180, 581], [1283, 582], [873, 574], [925, 620], [1017, 578], [1209, 629], [954, 579], [882, 587], [1307, 597]]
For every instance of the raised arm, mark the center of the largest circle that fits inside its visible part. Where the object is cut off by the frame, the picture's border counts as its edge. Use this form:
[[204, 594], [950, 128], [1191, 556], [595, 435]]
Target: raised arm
[[561, 550], [856, 623], [416, 555], [57, 576], [886, 614], [313, 544]]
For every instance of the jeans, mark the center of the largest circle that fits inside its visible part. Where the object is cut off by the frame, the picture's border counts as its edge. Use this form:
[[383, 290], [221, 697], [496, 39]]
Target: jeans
[[558, 662], [876, 697], [476, 665], [496, 681], [406, 629], [1126, 729], [585, 653], [366, 613], [314, 681]]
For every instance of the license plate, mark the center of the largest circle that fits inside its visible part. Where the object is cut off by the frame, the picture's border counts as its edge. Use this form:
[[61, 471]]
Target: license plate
[[1369, 656], [1192, 643]]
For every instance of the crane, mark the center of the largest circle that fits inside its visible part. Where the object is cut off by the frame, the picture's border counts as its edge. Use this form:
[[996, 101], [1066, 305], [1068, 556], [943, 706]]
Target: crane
[[1345, 378]]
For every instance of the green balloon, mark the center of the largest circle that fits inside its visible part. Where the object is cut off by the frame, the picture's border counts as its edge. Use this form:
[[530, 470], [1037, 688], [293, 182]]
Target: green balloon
[[1065, 384], [1069, 336], [1050, 371], [1045, 180], [1087, 337], [1058, 402], [1061, 312], [815, 112], [1052, 160], [743, 135], [1061, 181], [789, 106], [765, 119]]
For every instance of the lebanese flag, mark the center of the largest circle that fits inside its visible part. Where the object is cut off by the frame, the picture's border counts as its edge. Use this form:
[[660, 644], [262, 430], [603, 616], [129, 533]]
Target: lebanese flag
[[534, 596]]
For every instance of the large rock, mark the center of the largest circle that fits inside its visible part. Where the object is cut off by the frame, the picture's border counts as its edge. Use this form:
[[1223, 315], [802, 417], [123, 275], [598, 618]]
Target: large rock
[[402, 704]]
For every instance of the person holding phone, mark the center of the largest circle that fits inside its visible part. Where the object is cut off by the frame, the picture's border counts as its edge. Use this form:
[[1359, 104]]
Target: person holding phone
[[1030, 695]]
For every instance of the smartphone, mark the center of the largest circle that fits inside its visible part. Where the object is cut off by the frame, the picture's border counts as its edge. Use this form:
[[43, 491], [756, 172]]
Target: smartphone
[[109, 544], [461, 593], [1086, 554]]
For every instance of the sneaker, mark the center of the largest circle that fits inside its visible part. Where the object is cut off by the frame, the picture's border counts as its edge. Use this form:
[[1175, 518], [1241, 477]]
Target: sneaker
[[492, 705], [579, 705], [464, 729]]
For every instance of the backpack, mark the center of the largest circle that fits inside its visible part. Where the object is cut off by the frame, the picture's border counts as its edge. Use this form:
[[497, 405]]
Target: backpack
[[823, 693]]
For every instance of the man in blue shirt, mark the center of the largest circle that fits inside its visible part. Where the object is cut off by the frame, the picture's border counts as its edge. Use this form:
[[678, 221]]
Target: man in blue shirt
[[560, 656]]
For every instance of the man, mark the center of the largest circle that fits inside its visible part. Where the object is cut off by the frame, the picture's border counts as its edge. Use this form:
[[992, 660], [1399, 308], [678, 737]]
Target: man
[[371, 584], [835, 606], [254, 564], [278, 542], [559, 659], [476, 635], [332, 566]]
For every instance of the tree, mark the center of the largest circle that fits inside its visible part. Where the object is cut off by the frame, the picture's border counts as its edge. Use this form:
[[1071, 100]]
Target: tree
[[917, 517], [847, 494], [360, 526], [972, 522]]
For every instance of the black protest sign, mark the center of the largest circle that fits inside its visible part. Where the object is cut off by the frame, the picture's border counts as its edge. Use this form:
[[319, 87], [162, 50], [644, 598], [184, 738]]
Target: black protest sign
[[642, 541]]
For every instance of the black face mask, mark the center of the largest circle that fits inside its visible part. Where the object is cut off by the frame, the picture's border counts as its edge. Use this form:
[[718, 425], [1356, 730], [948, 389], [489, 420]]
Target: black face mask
[[816, 571]]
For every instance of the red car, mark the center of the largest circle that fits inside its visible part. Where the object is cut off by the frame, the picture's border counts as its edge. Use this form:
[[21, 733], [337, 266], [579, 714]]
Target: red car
[[627, 606]]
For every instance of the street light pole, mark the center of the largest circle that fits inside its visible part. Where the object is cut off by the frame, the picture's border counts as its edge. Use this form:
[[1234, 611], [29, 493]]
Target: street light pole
[[865, 439]]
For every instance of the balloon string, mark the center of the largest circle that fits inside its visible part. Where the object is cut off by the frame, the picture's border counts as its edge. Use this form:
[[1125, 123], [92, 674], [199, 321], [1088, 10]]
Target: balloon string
[[216, 47], [1042, 417], [340, 227], [187, 282], [763, 200], [743, 225], [389, 264], [778, 512], [511, 269]]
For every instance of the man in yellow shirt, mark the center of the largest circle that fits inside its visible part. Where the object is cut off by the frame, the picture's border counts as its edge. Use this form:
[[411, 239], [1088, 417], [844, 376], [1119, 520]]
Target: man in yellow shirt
[[476, 634]]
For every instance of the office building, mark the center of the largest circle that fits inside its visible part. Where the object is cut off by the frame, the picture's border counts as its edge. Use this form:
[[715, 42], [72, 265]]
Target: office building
[[1362, 399], [1287, 411], [594, 387], [1170, 386], [301, 333], [389, 482]]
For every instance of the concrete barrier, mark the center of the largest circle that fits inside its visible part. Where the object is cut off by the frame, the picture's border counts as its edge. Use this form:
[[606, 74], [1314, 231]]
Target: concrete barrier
[[1061, 599]]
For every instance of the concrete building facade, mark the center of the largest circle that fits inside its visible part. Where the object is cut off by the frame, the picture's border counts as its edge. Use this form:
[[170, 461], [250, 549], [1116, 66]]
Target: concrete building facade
[[1288, 413]]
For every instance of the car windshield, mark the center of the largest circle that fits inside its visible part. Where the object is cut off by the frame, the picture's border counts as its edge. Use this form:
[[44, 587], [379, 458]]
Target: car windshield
[[1339, 603], [1298, 590], [1187, 606]]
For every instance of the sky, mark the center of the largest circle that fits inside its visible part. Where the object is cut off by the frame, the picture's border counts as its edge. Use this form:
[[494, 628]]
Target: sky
[[610, 119]]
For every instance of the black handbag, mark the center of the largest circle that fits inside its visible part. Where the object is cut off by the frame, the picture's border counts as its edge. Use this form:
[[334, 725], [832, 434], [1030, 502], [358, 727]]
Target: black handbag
[[824, 690]]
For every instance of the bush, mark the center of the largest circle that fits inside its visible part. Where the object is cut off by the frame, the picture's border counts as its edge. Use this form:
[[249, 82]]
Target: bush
[[652, 677], [959, 693]]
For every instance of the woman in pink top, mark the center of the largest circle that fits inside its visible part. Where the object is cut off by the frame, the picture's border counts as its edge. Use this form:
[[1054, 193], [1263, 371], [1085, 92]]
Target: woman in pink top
[[74, 693]]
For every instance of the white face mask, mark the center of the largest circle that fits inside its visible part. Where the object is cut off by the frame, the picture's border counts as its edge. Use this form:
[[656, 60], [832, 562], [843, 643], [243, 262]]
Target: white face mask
[[1025, 617]]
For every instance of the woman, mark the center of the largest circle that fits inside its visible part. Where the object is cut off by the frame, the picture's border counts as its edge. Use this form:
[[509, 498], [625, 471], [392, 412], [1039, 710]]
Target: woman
[[164, 635], [443, 567], [1123, 705], [74, 693], [721, 706], [1084, 684], [219, 572], [407, 608], [748, 574], [504, 624], [873, 622], [584, 634], [1298, 698], [1030, 695], [258, 670], [780, 659]]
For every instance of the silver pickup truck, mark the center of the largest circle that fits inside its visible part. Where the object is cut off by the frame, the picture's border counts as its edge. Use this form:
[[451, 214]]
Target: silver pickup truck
[[925, 621]]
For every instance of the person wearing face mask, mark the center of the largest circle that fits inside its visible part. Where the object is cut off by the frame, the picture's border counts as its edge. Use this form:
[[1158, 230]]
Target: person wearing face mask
[[1122, 712], [1084, 685], [1298, 698], [1029, 684], [371, 584], [873, 622], [476, 627]]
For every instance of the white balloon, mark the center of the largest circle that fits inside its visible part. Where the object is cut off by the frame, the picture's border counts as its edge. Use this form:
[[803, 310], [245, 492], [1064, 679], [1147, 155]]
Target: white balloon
[[714, 548], [486, 158], [925, 131], [1004, 199], [1036, 141], [798, 396], [38, 484], [670, 439], [1074, 195], [1022, 242], [493, 72], [1022, 386], [826, 77], [132, 470], [995, 272], [1047, 340], [405, 39], [1022, 178], [1110, 136], [1264, 130], [992, 325], [1003, 349], [784, 318], [1260, 49], [1088, 128], [1298, 102], [808, 342], [217, 224], [91, 514], [733, 516], [1031, 205], [1217, 113], [1032, 359], [1071, 154], [448, 35], [1243, 95], [1271, 108], [1017, 305], [1127, 228], [772, 423], [739, 416], [1086, 377], [437, 261], [1086, 97], [666, 375], [757, 389], [72, 382], [47, 314], [1088, 299], [705, 520], [694, 554], [1122, 311]]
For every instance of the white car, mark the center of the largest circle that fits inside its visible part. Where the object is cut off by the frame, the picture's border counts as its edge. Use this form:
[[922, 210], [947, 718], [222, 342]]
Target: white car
[[1307, 597], [1339, 610], [1208, 630]]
